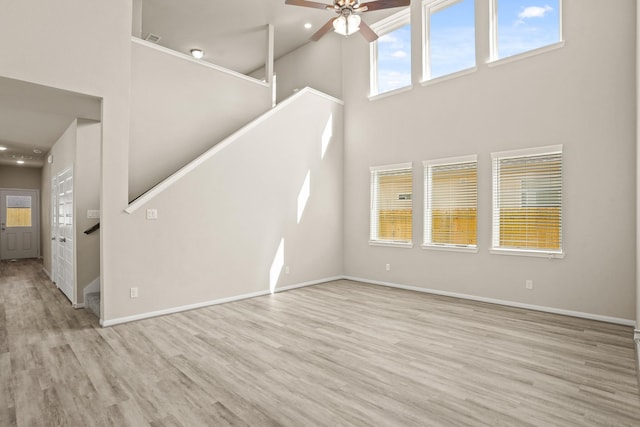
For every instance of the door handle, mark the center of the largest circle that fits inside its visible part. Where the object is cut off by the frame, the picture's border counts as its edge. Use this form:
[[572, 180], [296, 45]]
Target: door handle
[[62, 239]]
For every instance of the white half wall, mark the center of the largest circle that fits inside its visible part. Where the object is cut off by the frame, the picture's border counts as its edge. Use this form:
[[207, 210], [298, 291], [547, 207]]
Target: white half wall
[[581, 95], [264, 212], [180, 107]]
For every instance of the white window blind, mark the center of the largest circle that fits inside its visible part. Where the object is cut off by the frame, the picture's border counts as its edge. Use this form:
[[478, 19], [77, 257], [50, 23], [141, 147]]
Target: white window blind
[[391, 204], [527, 200], [451, 202]]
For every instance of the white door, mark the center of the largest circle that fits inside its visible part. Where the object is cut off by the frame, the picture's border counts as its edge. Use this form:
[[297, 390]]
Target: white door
[[19, 218], [63, 234]]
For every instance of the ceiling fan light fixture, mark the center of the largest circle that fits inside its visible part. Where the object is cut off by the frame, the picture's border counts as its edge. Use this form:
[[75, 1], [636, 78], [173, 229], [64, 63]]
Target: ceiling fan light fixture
[[347, 25], [197, 53]]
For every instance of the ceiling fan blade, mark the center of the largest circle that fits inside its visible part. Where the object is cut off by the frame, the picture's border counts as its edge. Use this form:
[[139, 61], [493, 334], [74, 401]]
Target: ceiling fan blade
[[323, 30], [367, 32], [306, 3], [384, 4]]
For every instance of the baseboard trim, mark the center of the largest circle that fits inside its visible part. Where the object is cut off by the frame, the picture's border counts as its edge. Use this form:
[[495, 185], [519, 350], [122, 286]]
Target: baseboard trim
[[150, 314], [44, 270], [608, 319], [77, 306]]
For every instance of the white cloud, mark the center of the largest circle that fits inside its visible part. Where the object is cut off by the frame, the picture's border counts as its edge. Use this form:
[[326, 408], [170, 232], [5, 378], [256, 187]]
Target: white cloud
[[399, 54], [388, 38], [534, 12]]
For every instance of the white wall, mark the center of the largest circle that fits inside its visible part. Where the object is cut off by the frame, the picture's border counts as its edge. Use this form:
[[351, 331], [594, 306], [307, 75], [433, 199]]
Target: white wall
[[220, 226], [315, 64], [180, 108], [580, 95]]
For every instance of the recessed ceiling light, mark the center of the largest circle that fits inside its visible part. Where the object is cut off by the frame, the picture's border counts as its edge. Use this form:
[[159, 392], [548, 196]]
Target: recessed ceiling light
[[20, 162], [197, 53], [2, 148], [307, 25]]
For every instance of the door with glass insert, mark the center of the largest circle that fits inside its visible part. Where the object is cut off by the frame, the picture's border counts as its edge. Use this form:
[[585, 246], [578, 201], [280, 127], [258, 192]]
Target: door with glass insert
[[19, 218], [63, 233]]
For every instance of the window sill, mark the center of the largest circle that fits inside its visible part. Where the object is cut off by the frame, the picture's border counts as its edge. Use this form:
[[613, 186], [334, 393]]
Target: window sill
[[527, 54], [390, 93], [451, 76], [530, 253], [452, 248], [391, 244]]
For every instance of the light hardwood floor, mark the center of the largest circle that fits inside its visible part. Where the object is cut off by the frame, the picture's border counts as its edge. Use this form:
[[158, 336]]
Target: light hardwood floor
[[341, 353]]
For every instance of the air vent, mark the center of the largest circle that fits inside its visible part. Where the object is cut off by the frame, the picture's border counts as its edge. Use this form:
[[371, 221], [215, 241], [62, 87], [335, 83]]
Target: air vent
[[152, 38]]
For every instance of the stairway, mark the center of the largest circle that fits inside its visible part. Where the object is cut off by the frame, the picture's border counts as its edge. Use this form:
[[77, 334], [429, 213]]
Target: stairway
[[92, 303]]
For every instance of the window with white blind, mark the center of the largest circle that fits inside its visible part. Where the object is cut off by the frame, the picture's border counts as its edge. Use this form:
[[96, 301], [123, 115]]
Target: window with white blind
[[527, 202], [391, 205], [451, 204]]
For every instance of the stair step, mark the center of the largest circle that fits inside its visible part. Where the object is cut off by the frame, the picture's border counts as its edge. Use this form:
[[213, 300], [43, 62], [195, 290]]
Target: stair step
[[92, 302]]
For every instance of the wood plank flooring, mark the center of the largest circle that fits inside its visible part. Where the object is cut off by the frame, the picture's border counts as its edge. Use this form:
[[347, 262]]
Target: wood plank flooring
[[336, 354]]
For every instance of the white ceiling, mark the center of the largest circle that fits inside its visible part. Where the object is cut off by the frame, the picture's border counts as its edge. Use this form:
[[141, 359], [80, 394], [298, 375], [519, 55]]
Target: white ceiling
[[232, 33], [33, 117]]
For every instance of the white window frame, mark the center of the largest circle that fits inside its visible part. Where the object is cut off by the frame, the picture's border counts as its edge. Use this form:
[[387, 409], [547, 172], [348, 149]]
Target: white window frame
[[494, 58], [374, 209], [428, 8], [382, 27], [427, 243], [495, 228]]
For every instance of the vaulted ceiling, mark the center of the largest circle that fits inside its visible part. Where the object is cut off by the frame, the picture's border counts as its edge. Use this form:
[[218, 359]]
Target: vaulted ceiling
[[232, 34]]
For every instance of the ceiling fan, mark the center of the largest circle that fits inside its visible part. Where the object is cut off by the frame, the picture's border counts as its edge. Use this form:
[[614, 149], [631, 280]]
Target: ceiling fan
[[348, 20]]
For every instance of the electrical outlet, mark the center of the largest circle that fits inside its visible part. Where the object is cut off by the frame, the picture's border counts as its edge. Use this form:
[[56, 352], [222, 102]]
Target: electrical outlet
[[286, 270], [152, 213], [134, 292], [528, 284], [388, 267]]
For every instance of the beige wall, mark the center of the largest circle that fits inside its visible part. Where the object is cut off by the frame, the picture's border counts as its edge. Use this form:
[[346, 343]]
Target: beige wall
[[77, 148], [85, 47], [63, 155], [180, 108], [87, 197], [20, 177], [580, 95]]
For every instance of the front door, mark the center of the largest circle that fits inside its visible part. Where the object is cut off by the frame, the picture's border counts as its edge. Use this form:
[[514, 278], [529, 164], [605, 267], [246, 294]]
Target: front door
[[19, 229]]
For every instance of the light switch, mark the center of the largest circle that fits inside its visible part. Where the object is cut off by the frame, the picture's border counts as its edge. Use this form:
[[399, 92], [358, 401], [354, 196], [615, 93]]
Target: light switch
[[93, 214], [152, 213]]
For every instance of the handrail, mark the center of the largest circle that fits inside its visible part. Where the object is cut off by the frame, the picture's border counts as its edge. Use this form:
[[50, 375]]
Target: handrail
[[92, 229], [171, 179]]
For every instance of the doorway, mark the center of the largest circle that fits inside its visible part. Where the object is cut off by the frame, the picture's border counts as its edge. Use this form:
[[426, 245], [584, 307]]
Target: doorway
[[19, 224]]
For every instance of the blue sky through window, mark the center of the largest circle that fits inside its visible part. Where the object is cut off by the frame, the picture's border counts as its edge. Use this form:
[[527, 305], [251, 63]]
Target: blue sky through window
[[394, 59], [523, 25], [527, 24], [452, 39]]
